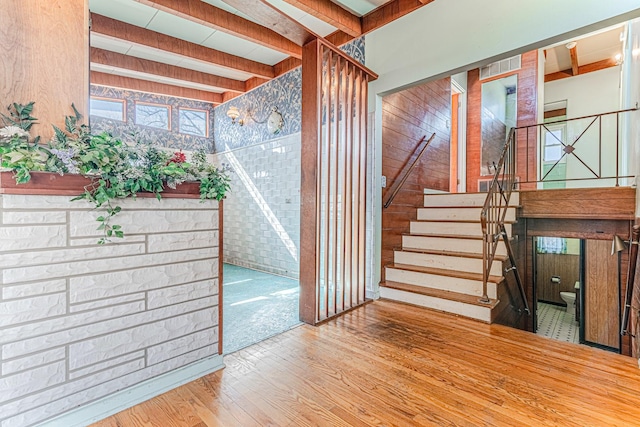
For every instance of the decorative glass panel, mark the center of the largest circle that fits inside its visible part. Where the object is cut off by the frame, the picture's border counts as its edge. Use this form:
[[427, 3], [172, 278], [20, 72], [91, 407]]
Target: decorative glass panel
[[156, 116], [194, 122], [109, 109]]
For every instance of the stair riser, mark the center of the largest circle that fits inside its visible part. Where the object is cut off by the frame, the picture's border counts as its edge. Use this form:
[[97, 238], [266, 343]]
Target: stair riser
[[471, 265], [473, 246], [463, 199], [451, 228], [461, 214], [455, 307], [445, 283]]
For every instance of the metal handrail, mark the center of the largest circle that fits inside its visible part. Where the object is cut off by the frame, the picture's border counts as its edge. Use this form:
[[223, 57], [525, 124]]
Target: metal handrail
[[397, 184], [631, 275], [493, 215]]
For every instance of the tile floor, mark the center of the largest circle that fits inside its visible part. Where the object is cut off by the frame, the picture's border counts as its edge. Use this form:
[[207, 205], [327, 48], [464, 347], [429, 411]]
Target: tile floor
[[257, 306], [554, 322]]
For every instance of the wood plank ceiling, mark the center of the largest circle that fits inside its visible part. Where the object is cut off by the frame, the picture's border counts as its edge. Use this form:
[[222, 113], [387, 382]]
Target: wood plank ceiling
[[215, 50]]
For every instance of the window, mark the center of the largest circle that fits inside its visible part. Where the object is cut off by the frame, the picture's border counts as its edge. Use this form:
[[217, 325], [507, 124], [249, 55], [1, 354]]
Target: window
[[553, 148], [552, 245], [152, 115], [108, 108], [194, 122]]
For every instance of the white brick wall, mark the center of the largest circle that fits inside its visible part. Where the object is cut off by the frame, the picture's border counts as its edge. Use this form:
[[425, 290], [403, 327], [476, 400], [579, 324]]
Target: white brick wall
[[79, 321], [262, 210]]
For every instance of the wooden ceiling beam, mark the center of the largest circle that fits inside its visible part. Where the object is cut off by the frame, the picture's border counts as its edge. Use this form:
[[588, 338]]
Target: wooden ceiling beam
[[332, 14], [573, 52], [582, 69], [378, 18], [271, 17], [218, 19], [390, 12], [151, 39], [131, 63], [286, 65], [112, 80]]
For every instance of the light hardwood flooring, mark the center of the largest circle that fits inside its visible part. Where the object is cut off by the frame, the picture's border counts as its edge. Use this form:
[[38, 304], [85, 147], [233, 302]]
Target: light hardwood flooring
[[396, 365]]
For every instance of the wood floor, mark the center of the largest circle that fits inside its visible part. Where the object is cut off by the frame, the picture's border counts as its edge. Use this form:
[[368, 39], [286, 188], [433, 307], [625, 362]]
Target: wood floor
[[396, 365]]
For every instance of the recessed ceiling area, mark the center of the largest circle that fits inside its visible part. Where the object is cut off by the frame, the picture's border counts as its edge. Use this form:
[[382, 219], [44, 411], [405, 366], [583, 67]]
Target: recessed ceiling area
[[587, 53]]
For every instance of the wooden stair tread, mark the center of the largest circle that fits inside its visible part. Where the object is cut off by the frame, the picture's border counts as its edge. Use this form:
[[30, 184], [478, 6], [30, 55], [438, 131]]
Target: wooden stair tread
[[445, 236], [470, 221], [462, 207], [450, 253], [471, 193], [444, 272], [437, 293]]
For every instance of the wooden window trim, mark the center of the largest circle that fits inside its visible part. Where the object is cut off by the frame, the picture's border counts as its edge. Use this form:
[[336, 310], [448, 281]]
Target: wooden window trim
[[555, 113]]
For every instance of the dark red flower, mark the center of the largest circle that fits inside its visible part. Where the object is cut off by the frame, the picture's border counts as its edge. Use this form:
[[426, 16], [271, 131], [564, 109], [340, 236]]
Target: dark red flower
[[178, 157]]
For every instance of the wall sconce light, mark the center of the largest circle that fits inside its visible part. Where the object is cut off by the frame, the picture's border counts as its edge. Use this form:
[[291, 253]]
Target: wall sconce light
[[618, 58], [618, 245], [233, 113], [274, 120]]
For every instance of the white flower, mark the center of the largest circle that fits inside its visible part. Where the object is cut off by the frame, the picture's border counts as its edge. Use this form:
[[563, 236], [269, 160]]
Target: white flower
[[11, 131]]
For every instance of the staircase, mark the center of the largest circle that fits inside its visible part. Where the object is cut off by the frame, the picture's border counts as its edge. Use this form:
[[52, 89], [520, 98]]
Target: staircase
[[440, 263]]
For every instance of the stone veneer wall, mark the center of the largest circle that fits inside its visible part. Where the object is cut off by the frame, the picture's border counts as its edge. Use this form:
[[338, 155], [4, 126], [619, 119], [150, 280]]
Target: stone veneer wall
[[262, 211], [79, 321]]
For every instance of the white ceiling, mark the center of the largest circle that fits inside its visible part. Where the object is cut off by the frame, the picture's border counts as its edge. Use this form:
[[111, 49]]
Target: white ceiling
[[593, 47], [135, 13], [148, 17]]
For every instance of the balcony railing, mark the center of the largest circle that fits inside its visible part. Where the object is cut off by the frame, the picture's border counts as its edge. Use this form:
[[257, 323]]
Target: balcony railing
[[578, 152]]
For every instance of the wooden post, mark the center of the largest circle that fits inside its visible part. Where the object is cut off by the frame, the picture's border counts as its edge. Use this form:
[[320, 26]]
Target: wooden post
[[309, 256]]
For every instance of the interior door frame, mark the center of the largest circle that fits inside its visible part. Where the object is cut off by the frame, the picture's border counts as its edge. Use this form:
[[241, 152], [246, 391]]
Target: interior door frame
[[462, 135]]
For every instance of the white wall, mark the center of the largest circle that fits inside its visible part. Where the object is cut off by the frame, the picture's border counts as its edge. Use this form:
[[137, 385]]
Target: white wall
[[449, 36], [588, 94], [453, 35], [630, 99]]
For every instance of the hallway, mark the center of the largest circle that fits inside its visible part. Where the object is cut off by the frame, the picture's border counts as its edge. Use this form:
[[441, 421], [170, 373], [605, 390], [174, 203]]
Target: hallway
[[257, 305]]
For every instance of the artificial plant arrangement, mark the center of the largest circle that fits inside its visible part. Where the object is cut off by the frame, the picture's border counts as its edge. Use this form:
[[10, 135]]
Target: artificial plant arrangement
[[117, 170]]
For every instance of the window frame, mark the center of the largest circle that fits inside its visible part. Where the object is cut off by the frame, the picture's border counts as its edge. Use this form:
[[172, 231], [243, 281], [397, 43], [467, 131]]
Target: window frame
[[152, 104], [549, 129], [200, 110], [114, 100]]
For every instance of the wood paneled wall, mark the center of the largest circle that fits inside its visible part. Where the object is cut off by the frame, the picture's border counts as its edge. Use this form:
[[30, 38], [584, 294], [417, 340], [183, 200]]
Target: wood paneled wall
[[601, 302], [527, 114], [579, 203], [406, 117], [45, 49], [565, 266]]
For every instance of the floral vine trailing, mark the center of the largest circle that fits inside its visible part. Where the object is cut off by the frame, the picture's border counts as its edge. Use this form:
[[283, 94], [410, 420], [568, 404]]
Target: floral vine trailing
[[117, 170]]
